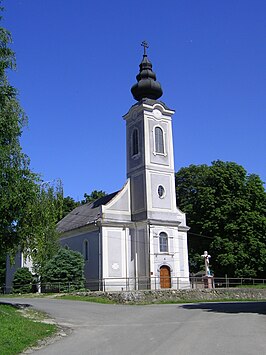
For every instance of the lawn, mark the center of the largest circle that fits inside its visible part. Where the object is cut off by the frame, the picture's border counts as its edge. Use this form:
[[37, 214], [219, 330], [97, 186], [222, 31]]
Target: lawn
[[19, 332]]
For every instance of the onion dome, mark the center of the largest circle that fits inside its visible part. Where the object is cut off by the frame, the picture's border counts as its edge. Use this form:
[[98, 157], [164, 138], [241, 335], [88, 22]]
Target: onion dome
[[147, 86]]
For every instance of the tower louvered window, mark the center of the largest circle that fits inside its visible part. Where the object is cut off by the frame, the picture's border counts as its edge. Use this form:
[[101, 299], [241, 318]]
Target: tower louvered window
[[135, 142], [159, 144]]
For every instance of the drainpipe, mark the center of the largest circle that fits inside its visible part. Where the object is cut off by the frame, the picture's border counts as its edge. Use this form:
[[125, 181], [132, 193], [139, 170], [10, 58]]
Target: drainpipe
[[100, 257], [136, 256], [149, 253], [126, 256]]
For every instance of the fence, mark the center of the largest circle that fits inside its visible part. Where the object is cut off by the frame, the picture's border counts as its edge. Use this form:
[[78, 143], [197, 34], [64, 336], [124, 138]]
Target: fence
[[226, 282], [141, 283]]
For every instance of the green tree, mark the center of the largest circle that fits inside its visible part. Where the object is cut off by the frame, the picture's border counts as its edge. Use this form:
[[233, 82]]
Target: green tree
[[68, 205], [40, 238], [67, 266], [226, 210], [22, 282], [94, 195], [17, 182]]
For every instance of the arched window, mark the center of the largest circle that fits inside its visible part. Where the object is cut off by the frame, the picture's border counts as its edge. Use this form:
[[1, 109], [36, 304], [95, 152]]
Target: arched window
[[86, 250], [135, 142], [159, 144], [163, 240]]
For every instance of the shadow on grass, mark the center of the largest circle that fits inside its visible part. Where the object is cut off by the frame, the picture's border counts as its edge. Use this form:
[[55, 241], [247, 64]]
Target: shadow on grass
[[229, 307]]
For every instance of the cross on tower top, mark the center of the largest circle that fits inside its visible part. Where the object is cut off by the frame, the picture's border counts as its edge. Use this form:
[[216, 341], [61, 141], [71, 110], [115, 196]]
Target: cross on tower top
[[147, 87], [145, 45]]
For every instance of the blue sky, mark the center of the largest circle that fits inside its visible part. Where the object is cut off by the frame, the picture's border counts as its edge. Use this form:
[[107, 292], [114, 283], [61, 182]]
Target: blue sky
[[76, 63]]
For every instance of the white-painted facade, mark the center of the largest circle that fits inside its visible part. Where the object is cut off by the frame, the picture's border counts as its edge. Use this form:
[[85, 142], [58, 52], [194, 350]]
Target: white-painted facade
[[139, 231]]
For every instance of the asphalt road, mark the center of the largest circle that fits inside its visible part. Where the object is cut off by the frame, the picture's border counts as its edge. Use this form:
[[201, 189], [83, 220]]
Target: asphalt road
[[202, 328]]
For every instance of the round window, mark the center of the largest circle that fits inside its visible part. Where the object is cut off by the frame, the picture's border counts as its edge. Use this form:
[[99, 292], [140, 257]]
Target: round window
[[161, 191]]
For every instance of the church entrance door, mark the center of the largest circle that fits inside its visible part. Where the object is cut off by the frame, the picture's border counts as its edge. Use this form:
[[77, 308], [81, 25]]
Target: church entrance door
[[165, 277]]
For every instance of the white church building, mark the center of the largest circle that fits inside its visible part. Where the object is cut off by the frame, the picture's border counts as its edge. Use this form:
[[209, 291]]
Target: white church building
[[136, 238]]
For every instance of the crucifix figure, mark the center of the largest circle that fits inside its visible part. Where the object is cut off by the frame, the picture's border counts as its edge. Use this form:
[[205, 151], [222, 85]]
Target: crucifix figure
[[145, 45], [206, 257]]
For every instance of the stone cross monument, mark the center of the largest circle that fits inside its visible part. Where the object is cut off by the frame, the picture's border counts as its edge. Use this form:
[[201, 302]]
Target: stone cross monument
[[208, 279], [206, 257]]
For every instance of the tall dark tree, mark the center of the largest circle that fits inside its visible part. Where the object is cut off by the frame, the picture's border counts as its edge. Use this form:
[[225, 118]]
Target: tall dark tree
[[68, 205], [226, 210]]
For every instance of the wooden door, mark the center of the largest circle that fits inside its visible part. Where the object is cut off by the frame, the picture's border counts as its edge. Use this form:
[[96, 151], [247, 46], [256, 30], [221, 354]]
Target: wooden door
[[165, 277]]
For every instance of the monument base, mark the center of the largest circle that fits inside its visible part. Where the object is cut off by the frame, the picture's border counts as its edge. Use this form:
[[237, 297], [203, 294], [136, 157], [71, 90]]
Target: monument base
[[208, 281]]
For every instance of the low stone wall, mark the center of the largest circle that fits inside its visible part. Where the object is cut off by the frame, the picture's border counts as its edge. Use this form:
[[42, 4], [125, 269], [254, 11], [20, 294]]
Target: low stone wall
[[201, 295]]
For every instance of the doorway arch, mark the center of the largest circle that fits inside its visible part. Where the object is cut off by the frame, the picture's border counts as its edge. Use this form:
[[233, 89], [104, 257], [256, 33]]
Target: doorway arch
[[165, 277]]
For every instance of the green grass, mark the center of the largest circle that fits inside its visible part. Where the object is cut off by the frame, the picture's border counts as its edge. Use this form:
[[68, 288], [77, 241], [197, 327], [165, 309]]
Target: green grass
[[17, 295], [17, 332], [26, 295], [96, 299]]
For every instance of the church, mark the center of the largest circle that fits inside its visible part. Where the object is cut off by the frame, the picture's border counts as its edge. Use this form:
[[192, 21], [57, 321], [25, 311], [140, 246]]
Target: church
[[136, 238]]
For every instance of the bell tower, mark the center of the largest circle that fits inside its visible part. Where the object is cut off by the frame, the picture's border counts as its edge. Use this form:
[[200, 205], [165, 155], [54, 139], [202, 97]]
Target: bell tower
[[150, 159], [159, 235]]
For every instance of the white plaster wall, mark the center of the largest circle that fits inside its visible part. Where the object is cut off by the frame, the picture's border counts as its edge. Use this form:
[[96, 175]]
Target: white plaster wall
[[114, 257], [156, 202]]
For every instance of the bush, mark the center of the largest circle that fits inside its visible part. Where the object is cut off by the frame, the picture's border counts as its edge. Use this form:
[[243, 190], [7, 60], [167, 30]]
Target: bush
[[22, 282], [65, 271]]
